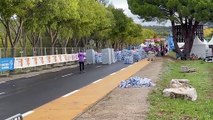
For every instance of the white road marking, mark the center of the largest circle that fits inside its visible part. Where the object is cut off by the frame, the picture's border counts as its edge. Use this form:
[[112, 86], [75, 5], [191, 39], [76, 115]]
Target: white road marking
[[2, 82], [27, 113], [98, 66], [97, 81], [70, 93], [67, 75], [122, 69], [1, 93], [113, 73]]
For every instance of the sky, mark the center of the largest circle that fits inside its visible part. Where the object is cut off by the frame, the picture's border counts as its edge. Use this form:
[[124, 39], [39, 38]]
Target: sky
[[122, 4]]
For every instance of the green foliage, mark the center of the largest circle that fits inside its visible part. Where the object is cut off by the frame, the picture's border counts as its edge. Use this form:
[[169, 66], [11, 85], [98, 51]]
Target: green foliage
[[93, 16], [208, 33], [176, 10], [9, 8], [56, 22], [122, 26], [12, 16], [159, 30], [164, 108], [186, 13], [147, 33]]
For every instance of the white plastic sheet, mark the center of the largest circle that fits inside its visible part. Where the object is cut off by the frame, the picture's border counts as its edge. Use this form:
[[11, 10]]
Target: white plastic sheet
[[98, 58], [136, 82]]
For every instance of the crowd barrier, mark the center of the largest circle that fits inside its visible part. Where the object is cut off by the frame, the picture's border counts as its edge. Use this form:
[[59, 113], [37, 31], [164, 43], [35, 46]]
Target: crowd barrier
[[7, 64], [15, 117]]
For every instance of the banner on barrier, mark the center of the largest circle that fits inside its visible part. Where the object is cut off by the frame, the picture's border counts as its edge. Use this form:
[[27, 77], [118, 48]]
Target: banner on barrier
[[6, 64], [24, 62]]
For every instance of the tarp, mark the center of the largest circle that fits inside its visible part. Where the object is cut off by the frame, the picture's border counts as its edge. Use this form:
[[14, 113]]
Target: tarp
[[170, 41]]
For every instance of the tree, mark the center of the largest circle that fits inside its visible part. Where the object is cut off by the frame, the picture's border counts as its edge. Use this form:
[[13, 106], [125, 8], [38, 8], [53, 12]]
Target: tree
[[12, 16], [105, 2], [119, 33], [187, 13], [53, 15], [94, 19], [34, 29], [134, 33], [84, 26], [104, 25], [4, 41]]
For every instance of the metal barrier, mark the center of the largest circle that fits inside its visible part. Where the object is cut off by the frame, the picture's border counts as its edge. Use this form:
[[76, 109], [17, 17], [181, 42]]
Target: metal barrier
[[15, 117]]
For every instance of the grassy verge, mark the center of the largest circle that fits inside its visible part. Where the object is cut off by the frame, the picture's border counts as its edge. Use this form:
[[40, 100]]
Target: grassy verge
[[163, 108]]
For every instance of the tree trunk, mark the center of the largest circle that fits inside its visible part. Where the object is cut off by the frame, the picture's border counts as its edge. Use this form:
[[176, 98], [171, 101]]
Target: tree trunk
[[65, 46], [113, 45], [15, 34], [5, 45], [13, 51], [41, 46], [189, 39], [177, 49], [53, 34]]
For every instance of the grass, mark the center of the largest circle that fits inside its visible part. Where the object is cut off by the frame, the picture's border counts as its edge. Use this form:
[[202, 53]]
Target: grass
[[163, 108]]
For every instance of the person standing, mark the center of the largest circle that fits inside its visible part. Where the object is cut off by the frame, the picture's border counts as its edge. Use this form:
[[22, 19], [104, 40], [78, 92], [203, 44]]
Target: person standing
[[81, 57]]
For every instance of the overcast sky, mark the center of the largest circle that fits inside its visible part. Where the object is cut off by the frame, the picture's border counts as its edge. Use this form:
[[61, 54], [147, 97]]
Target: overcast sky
[[123, 5]]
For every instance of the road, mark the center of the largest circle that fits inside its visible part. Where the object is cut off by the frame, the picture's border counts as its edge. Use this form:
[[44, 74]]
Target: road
[[24, 94]]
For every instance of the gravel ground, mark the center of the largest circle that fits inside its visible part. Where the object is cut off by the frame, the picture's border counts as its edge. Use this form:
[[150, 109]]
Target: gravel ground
[[128, 103]]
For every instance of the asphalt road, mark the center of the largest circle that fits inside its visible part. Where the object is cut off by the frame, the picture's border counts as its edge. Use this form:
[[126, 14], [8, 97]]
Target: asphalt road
[[25, 94]]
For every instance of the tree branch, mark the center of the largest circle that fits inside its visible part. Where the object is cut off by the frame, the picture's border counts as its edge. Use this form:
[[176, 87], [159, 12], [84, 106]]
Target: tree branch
[[31, 41], [37, 38], [2, 40], [9, 33], [3, 22], [19, 31]]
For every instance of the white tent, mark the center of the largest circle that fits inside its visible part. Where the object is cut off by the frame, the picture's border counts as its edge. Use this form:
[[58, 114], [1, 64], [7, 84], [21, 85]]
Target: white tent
[[208, 50], [211, 41], [206, 43], [199, 48]]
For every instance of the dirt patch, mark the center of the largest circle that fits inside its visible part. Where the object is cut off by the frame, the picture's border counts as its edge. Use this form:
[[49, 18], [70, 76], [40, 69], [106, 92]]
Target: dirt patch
[[126, 104]]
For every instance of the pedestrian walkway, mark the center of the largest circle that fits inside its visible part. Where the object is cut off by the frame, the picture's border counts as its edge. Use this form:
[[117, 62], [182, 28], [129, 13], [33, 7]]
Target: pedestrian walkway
[[74, 103]]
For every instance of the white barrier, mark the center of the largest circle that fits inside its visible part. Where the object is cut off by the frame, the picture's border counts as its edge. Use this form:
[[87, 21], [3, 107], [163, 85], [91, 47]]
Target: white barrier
[[25, 62], [15, 117]]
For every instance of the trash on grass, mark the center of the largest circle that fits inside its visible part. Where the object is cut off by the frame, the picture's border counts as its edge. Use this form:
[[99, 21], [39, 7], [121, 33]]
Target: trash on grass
[[136, 82], [186, 69]]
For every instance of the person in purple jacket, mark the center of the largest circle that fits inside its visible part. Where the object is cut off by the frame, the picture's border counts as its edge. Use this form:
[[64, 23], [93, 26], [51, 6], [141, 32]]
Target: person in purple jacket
[[81, 57]]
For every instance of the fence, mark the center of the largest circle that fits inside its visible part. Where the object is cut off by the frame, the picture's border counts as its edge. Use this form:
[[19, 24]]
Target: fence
[[38, 51], [26, 62], [34, 63]]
